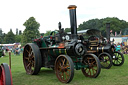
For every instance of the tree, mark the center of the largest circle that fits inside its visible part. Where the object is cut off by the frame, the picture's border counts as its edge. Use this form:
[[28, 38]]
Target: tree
[[47, 33], [18, 38], [9, 37], [32, 30], [116, 25], [90, 24], [1, 36], [16, 31], [0, 32], [20, 32], [67, 29]]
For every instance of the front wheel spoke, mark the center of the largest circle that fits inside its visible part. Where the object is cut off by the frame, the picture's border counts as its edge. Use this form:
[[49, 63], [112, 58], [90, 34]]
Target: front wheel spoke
[[66, 75], [119, 57], [88, 71], [28, 65], [94, 69], [102, 58], [68, 70], [107, 59], [26, 58], [94, 65], [67, 66], [114, 61], [62, 76], [115, 54], [85, 69], [84, 62], [63, 61], [93, 62], [88, 61], [104, 64], [118, 61], [27, 51], [30, 49], [60, 65], [107, 62], [32, 56], [33, 63]]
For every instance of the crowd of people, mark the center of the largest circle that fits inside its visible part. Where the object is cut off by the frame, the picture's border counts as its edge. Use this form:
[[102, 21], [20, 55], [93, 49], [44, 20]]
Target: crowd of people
[[121, 47], [14, 49]]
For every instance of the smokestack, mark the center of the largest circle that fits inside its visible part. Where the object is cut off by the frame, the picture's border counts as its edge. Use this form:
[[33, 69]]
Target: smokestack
[[108, 32], [59, 25], [73, 23]]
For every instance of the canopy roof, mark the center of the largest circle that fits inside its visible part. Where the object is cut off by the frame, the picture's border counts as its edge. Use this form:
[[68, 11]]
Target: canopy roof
[[93, 32]]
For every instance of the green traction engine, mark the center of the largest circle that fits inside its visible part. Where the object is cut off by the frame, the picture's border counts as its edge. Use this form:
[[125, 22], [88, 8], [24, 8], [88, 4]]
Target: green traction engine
[[62, 52]]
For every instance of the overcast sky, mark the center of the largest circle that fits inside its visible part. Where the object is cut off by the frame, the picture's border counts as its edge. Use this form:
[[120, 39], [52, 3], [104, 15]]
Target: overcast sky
[[13, 13]]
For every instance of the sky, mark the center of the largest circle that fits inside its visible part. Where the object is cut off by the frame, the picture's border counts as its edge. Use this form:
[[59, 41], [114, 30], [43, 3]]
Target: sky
[[13, 13]]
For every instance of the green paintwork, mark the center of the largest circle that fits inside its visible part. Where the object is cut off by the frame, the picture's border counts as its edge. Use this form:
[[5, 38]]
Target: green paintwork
[[57, 52], [43, 42], [54, 51], [53, 33], [77, 63]]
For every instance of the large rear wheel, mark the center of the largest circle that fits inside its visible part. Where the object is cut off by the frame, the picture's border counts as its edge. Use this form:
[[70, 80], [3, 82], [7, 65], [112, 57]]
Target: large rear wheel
[[105, 60], [32, 59], [92, 66], [5, 75], [117, 58], [64, 68]]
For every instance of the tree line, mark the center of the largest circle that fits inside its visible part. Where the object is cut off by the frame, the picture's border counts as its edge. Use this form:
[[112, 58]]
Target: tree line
[[116, 25], [31, 32], [32, 29]]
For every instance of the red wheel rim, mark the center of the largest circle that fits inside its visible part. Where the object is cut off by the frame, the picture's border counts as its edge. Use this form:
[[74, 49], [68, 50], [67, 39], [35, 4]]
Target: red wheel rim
[[2, 76]]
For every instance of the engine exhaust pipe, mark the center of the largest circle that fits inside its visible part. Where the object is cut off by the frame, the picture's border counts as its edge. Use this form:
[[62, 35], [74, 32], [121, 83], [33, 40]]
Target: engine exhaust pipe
[[108, 32], [73, 21]]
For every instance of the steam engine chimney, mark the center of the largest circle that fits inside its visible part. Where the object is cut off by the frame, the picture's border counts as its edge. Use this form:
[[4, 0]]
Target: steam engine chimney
[[73, 22], [108, 32]]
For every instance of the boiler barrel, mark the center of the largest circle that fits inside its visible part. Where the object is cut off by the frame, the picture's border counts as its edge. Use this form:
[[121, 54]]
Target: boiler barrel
[[57, 52], [102, 49]]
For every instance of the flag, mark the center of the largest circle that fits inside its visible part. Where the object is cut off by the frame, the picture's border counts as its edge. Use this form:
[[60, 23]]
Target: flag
[[115, 34]]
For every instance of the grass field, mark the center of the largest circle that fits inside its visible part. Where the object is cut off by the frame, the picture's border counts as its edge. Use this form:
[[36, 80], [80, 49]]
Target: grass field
[[116, 75]]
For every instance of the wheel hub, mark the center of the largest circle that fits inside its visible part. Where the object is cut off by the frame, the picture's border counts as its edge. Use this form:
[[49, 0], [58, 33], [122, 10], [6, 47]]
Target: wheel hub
[[63, 69], [90, 65], [104, 60]]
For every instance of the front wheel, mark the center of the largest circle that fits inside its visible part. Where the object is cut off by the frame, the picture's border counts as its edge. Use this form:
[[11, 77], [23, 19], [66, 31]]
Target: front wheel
[[92, 66], [64, 68], [105, 60], [118, 58]]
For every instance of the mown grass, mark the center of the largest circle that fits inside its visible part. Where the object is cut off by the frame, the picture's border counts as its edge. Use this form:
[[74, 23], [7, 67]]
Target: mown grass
[[116, 75]]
